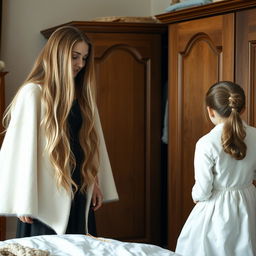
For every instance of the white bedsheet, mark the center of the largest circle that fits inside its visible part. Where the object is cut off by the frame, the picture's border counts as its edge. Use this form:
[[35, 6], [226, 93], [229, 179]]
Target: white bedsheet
[[81, 245]]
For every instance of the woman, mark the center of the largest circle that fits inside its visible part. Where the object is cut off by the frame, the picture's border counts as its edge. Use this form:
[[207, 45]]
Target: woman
[[53, 158]]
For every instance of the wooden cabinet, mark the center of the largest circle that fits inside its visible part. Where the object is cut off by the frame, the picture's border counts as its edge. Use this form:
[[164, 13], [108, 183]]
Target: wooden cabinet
[[201, 53], [2, 109], [246, 59], [206, 44], [128, 71]]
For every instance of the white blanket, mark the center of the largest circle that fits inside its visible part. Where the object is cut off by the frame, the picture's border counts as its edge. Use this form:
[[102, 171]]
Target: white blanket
[[82, 245]]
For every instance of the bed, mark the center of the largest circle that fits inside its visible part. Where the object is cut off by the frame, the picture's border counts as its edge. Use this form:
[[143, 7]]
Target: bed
[[77, 245]]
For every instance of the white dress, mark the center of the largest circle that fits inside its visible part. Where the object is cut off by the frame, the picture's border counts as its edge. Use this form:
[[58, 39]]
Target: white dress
[[223, 222]]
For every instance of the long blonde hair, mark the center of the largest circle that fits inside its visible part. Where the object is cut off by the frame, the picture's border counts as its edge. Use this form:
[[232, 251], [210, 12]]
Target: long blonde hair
[[53, 71], [228, 100]]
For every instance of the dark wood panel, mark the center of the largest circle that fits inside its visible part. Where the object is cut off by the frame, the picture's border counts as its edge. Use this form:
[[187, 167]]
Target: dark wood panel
[[127, 90], [2, 109], [246, 60], [113, 27], [2, 228], [122, 88], [2, 97], [193, 83], [201, 52], [1, 14]]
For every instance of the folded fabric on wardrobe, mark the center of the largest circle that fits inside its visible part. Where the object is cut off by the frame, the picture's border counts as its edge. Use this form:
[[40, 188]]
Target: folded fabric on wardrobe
[[186, 4], [165, 126]]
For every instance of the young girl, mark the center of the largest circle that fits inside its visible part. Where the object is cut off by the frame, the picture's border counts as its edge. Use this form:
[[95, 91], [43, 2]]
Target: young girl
[[223, 222], [53, 160]]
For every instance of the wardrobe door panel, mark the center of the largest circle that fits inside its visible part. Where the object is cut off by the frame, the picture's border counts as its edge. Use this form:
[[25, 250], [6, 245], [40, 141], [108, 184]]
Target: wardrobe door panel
[[121, 81], [200, 54], [246, 60], [129, 102], [2, 109]]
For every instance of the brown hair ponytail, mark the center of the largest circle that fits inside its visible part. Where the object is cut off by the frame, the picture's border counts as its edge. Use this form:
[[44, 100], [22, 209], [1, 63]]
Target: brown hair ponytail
[[228, 100]]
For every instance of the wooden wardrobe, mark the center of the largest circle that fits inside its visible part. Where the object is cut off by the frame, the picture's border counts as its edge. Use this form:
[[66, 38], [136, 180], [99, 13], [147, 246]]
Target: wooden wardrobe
[[128, 64], [2, 109], [206, 44]]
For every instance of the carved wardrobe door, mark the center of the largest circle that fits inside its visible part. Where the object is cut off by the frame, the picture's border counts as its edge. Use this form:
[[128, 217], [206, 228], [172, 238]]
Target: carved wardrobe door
[[246, 60], [128, 72], [200, 54]]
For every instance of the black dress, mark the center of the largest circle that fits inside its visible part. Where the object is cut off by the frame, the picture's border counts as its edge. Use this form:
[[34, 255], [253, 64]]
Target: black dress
[[76, 222]]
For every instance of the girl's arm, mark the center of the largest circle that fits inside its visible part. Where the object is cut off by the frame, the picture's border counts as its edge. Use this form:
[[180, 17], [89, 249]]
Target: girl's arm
[[203, 164]]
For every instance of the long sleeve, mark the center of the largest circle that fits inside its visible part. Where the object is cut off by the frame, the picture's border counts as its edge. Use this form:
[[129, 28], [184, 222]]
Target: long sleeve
[[18, 156], [106, 179], [105, 175], [203, 164]]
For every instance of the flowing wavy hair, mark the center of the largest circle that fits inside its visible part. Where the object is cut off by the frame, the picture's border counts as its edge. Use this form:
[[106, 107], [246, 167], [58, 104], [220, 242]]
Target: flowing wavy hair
[[228, 100], [53, 71]]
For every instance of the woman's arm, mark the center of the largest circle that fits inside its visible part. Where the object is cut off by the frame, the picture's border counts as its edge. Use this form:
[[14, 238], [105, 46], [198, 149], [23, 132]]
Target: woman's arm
[[26, 219], [97, 196]]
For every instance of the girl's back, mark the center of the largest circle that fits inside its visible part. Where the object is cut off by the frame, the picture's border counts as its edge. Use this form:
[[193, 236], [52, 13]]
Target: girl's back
[[223, 221], [227, 171]]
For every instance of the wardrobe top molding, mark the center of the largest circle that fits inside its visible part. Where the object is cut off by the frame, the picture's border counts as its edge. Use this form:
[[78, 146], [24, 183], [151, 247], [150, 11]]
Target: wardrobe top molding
[[206, 10], [112, 27]]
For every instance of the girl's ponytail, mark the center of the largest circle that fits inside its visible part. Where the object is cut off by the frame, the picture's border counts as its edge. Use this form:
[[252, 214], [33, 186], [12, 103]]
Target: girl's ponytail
[[228, 100]]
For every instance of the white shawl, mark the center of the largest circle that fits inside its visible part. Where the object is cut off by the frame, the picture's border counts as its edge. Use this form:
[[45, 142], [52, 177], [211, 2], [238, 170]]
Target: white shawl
[[27, 183]]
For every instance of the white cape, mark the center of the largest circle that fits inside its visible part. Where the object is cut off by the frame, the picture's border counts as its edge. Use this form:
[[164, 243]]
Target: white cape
[[27, 183]]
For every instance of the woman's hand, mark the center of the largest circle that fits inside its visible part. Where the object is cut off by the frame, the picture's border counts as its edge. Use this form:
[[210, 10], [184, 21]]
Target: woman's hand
[[97, 197], [26, 219]]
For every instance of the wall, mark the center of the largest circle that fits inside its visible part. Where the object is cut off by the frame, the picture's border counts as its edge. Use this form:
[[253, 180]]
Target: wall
[[158, 6]]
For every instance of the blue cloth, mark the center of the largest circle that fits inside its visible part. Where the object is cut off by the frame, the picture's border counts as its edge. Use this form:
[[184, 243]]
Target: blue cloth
[[186, 4], [165, 127]]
